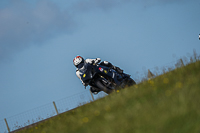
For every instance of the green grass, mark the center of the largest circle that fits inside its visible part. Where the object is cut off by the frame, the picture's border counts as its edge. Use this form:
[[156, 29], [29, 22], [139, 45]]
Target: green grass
[[169, 103]]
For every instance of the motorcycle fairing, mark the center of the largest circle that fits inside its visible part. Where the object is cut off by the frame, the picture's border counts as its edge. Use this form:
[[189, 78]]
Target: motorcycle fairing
[[105, 71], [88, 72]]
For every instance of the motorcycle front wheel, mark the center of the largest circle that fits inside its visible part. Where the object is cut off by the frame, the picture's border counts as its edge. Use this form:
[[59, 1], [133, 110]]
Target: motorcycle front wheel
[[102, 87]]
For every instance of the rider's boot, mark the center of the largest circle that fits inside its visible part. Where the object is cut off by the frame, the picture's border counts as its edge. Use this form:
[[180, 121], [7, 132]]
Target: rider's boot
[[117, 69]]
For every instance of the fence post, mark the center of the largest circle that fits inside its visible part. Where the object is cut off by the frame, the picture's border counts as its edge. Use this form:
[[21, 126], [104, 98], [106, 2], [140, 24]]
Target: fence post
[[55, 107], [91, 95], [150, 74], [7, 125], [182, 64], [179, 63]]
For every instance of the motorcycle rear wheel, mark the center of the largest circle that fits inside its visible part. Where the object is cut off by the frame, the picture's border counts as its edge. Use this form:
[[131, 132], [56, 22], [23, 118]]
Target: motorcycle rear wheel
[[131, 82]]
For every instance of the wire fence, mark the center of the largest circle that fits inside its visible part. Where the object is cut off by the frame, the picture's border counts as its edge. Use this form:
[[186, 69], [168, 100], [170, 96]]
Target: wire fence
[[74, 101], [30, 117], [46, 111], [49, 110], [156, 71], [3, 128]]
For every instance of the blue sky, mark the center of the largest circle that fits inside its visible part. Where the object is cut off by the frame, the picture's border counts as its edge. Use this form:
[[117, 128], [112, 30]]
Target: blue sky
[[39, 39]]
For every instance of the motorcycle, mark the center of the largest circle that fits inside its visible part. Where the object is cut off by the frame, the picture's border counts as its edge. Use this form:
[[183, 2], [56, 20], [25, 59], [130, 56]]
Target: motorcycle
[[102, 78]]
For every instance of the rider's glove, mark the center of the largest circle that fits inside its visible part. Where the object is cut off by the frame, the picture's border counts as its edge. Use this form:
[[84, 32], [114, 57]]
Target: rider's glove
[[97, 60]]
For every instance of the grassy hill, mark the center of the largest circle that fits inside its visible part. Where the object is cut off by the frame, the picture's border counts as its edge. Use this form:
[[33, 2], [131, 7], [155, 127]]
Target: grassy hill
[[169, 103]]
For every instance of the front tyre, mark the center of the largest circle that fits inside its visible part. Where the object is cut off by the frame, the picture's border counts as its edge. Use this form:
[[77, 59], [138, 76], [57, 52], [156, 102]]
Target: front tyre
[[102, 87]]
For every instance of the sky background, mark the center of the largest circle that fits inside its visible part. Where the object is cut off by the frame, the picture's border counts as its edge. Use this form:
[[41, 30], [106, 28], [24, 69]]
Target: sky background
[[40, 38]]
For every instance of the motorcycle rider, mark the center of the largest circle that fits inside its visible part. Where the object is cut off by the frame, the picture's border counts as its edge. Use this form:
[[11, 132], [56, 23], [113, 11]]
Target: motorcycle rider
[[78, 61]]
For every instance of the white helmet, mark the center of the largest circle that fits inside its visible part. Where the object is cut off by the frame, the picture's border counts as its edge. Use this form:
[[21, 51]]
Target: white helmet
[[78, 60]]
